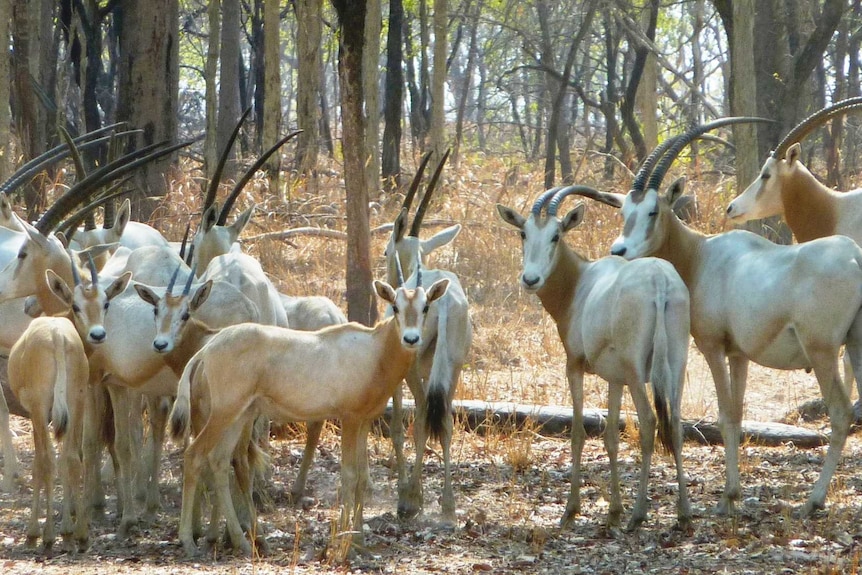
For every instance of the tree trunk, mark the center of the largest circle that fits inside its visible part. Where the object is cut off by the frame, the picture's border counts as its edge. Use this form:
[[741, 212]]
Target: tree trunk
[[467, 87], [211, 80], [272, 89], [229, 92], [641, 52], [371, 81], [743, 100], [24, 97], [351, 25], [438, 80], [5, 78], [646, 98], [308, 93], [393, 99], [148, 79]]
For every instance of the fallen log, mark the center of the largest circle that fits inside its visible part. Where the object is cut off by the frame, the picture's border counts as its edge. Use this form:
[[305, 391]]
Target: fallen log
[[479, 416]]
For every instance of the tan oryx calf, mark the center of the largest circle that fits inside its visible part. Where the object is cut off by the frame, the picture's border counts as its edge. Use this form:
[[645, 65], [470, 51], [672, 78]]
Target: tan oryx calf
[[434, 375], [48, 372], [785, 307], [627, 322], [345, 372]]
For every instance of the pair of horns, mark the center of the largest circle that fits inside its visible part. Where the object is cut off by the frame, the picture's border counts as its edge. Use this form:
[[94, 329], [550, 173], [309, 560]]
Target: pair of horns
[[400, 270], [188, 286], [555, 196], [212, 188], [414, 187], [94, 274], [655, 167], [814, 121]]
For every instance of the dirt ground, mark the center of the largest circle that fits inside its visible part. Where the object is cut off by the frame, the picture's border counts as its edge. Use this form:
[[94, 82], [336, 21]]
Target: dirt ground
[[510, 488]]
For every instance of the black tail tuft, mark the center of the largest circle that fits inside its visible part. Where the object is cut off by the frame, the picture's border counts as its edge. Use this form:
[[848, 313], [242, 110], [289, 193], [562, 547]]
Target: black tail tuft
[[438, 411], [665, 427]]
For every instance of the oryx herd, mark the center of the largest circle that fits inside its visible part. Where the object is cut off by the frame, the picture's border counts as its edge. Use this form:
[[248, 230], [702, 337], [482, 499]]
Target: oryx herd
[[215, 339]]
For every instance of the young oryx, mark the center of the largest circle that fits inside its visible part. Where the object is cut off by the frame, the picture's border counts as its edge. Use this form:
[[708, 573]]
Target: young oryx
[[785, 307], [433, 377], [48, 372], [627, 322], [345, 372]]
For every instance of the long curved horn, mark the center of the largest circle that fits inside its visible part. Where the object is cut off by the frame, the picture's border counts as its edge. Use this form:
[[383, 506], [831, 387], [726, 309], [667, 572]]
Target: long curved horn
[[185, 241], [419, 276], [76, 278], [646, 167], [188, 287], [85, 188], [249, 174], [212, 189], [399, 271], [814, 121], [579, 190], [414, 187], [544, 199], [94, 274], [173, 279], [70, 224], [426, 198], [190, 258], [56, 154], [680, 142]]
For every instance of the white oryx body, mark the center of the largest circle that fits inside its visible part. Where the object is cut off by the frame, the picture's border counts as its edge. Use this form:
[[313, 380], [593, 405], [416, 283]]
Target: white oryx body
[[344, 372], [785, 307], [627, 322]]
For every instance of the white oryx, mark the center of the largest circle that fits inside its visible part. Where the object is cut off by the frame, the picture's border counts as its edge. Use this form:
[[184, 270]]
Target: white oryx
[[433, 377], [785, 307], [289, 375], [627, 322]]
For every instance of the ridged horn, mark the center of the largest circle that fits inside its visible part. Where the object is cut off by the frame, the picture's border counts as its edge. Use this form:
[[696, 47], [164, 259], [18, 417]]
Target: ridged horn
[[419, 276], [681, 141], [76, 278], [249, 174], [188, 287], [84, 189], [579, 190], [185, 241], [399, 276], [544, 199], [646, 167], [814, 121], [411, 192], [426, 198], [212, 189]]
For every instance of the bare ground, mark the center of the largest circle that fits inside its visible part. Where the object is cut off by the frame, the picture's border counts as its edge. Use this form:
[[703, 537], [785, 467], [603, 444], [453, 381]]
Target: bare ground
[[511, 488]]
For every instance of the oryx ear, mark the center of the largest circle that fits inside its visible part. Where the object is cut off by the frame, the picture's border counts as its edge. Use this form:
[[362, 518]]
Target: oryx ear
[[675, 190], [59, 288], [122, 218], [147, 294], [511, 217], [118, 286], [6, 207], [241, 221], [384, 291], [437, 289], [201, 295], [794, 152], [440, 239], [574, 218]]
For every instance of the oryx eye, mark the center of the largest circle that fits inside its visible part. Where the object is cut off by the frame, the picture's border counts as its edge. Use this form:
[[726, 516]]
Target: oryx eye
[[395, 309], [523, 235], [555, 239], [764, 176], [156, 312], [22, 255], [653, 213], [107, 303], [426, 308], [76, 308], [185, 316]]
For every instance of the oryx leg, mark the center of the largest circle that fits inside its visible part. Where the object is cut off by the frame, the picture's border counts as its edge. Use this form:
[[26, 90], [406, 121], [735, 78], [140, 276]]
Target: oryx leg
[[354, 438], [158, 409], [72, 475], [647, 422], [575, 375], [447, 499], [730, 390], [410, 499], [840, 418], [312, 437], [126, 407], [220, 460], [612, 445], [43, 482], [11, 468], [396, 433]]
